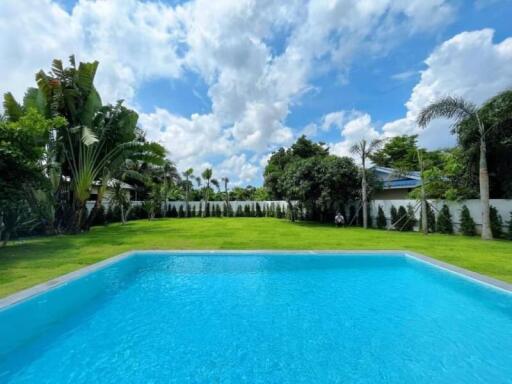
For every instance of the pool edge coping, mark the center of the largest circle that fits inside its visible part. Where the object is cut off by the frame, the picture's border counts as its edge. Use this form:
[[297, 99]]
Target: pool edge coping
[[41, 288]]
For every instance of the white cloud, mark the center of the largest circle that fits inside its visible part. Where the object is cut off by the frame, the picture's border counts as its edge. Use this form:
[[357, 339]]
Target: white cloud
[[251, 87], [238, 168], [469, 65], [360, 127]]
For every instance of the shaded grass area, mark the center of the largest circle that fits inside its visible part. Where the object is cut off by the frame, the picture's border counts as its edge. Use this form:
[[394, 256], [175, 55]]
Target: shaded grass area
[[26, 263]]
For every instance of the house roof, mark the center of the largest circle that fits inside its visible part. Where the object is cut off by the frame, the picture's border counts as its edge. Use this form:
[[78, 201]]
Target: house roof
[[393, 179]]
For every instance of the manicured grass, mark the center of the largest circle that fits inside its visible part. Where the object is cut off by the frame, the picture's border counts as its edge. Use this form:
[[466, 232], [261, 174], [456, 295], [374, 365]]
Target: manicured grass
[[27, 263]]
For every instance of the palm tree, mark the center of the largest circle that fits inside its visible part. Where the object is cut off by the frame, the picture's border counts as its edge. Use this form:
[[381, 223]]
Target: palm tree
[[225, 180], [119, 197], [364, 149], [462, 110], [207, 176], [188, 174]]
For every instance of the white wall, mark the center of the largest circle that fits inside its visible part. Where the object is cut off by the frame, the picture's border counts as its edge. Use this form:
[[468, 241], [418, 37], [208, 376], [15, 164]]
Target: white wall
[[213, 204], [503, 206]]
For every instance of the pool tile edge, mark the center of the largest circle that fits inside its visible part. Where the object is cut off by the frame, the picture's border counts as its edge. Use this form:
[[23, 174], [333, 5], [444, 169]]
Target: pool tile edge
[[66, 278]]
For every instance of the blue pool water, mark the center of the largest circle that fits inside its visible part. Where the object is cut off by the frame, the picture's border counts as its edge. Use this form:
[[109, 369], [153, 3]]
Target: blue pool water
[[261, 318]]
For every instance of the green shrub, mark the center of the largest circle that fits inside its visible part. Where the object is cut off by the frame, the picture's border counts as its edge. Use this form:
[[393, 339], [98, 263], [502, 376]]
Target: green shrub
[[444, 221], [509, 231], [496, 223], [200, 211], [239, 212], [207, 208], [259, 213], [217, 210], [173, 212], [279, 212], [247, 210], [394, 216], [181, 212], [271, 212], [99, 219], [431, 219], [467, 224], [381, 219]]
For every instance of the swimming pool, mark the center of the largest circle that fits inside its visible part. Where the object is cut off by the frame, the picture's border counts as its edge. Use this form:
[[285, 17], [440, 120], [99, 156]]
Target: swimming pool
[[202, 317]]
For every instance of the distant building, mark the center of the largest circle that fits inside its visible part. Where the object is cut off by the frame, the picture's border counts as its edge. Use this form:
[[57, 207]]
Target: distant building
[[129, 189], [395, 185]]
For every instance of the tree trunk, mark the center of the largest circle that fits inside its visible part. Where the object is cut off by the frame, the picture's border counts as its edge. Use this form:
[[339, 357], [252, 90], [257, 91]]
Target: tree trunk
[[484, 190], [424, 218], [123, 220], [364, 198]]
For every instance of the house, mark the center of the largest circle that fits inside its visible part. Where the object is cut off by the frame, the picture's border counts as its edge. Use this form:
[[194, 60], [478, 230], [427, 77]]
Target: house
[[395, 185], [129, 189]]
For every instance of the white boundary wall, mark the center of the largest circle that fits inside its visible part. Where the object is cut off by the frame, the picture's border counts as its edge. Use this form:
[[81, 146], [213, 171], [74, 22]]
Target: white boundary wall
[[196, 204], [504, 207]]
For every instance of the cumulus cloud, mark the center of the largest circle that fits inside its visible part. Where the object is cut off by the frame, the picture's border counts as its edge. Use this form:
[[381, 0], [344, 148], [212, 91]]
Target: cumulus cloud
[[252, 87], [358, 128], [469, 65]]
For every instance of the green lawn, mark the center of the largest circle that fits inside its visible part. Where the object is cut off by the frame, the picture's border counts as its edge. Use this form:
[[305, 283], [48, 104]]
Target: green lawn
[[27, 263]]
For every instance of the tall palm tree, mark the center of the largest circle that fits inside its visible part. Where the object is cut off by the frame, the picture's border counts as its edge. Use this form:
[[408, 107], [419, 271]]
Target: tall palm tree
[[461, 110], [188, 174], [364, 149], [225, 180], [207, 177]]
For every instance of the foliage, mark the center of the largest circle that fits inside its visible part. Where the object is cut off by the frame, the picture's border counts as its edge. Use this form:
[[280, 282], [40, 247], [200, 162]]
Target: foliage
[[509, 228], [431, 219], [381, 219], [394, 216], [467, 224], [398, 153], [444, 220], [496, 223]]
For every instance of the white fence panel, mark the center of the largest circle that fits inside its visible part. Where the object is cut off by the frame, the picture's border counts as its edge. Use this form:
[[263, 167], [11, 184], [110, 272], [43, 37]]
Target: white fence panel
[[503, 206]]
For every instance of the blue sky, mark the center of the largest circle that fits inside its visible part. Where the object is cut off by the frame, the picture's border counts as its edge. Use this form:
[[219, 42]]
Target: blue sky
[[223, 84]]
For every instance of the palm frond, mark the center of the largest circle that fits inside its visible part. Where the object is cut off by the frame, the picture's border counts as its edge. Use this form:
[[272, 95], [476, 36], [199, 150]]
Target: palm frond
[[88, 136], [448, 107], [13, 109]]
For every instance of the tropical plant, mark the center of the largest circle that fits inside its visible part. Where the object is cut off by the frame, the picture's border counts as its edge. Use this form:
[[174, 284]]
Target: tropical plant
[[364, 150], [120, 198], [465, 112], [509, 228]]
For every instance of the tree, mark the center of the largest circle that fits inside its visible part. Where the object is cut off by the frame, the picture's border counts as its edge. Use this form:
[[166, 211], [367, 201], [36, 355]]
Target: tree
[[381, 219], [509, 231], [462, 112], [496, 223], [119, 198], [394, 216], [187, 185], [467, 224], [227, 207], [207, 177], [364, 149], [398, 152], [444, 220]]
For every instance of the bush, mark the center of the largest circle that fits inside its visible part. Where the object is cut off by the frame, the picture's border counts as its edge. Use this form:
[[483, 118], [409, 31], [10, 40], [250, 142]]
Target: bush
[[509, 231], [496, 223], [258, 210], [217, 210], [181, 212], [394, 216], [192, 211], [381, 219], [401, 218], [173, 212], [279, 212], [467, 224], [200, 211], [99, 219], [444, 221], [271, 211], [431, 219], [207, 208], [247, 210], [239, 212]]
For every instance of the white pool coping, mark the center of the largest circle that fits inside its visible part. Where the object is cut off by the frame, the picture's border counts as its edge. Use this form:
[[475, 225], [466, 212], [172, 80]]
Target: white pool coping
[[39, 289]]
